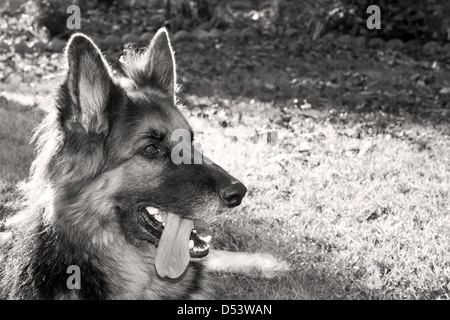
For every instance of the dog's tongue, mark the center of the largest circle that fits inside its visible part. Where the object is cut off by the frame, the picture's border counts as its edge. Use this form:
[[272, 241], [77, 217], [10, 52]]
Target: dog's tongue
[[172, 257]]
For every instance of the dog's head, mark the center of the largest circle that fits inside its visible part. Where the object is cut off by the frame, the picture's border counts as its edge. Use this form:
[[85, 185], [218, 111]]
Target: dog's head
[[125, 159]]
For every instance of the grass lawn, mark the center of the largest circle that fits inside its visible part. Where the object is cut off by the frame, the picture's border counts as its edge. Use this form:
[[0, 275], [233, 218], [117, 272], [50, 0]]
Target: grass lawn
[[358, 213]]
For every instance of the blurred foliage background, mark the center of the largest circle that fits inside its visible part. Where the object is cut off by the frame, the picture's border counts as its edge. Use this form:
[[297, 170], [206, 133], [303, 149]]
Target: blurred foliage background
[[274, 50], [403, 19], [422, 24]]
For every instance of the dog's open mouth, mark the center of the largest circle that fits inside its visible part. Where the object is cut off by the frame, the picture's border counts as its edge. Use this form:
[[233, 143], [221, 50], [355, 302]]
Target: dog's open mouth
[[178, 240]]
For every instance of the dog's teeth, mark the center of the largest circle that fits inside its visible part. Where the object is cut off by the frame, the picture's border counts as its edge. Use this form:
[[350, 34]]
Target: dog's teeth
[[152, 211], [191, 244], [194, 231], [206, 239], [158, 217]]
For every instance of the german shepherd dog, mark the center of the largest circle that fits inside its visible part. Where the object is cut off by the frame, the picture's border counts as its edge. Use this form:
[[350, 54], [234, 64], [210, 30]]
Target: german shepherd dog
[[107, 197]]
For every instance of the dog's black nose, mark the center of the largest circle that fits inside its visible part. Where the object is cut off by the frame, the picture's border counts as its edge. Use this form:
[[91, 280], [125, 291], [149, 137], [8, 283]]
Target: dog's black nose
[[232, 194]]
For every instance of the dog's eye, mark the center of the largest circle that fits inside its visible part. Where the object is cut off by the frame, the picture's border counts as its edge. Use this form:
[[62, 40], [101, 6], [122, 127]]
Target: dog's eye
[[151, 150]]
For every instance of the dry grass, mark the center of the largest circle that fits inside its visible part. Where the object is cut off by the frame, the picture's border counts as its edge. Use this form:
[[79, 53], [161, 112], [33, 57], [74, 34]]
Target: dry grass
[[358, 217]]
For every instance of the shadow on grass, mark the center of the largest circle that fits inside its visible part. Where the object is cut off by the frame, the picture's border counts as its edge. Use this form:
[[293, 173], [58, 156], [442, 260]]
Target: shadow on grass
[[296, 285], [309, 278], [17, 122], [358, 83], [316, 272], [11, 201]]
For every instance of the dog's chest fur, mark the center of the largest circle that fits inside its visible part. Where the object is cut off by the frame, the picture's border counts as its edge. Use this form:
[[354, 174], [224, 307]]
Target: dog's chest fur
[[35, 261]]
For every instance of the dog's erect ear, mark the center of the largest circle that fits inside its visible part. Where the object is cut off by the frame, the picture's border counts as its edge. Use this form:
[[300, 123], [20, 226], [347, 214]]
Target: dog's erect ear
[[89, 84], [160, 63]]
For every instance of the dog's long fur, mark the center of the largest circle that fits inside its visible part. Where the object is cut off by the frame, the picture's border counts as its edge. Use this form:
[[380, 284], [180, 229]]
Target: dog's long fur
[[102, 153]]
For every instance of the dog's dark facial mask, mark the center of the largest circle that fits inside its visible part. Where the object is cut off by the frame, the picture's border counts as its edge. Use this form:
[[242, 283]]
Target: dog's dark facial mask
[[154, 70]]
